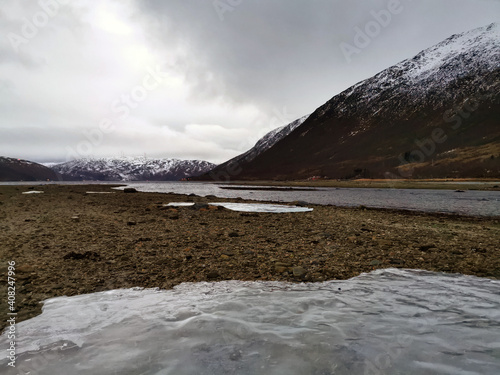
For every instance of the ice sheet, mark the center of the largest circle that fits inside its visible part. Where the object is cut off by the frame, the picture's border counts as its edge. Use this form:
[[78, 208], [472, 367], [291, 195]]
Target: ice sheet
[[249, 207], [385, 322], [262, 207]]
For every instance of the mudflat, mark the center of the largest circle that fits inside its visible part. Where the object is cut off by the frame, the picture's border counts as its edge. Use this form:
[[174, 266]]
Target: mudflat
[[66, 241]]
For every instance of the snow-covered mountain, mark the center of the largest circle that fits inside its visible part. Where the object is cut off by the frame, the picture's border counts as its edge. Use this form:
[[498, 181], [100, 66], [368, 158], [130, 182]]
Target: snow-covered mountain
[[433, 115], [131, 169], [428, 76]]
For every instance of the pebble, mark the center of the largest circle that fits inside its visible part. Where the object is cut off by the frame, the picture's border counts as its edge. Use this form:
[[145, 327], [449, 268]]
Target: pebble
[[298, 271], [427, 247], [281, 267], [198, 206], [299, 203], [212, 275], [395, 261], [25, 269]]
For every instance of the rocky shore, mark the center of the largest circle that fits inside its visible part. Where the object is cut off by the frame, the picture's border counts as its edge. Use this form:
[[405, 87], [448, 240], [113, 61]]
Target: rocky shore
[[66, 241]]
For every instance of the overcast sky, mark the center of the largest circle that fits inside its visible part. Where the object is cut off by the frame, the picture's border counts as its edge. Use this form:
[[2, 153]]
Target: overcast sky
[[194, 79]]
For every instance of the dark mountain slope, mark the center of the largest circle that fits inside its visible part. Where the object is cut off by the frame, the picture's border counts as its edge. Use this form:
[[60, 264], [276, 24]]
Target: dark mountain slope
[[22, 170], [435, 115]]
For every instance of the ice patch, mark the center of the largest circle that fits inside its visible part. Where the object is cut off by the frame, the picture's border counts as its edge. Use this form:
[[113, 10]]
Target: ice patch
[[248, 207], [260, 207], [33, 192], [385, 322]]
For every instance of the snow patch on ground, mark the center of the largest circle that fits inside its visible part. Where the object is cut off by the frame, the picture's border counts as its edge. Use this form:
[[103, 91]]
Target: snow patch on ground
[[248, 207], [258, 207]]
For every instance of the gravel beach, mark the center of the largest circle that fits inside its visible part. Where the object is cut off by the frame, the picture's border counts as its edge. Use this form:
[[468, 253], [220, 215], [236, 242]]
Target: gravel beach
[[66, 241]]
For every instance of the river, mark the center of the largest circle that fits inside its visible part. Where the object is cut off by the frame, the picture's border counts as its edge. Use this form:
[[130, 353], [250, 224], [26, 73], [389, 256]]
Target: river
[[469, 202]]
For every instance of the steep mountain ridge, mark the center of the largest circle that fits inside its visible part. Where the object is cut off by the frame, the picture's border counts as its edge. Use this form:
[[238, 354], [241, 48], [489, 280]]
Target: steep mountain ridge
[[271, 138], [230, 167], [131, 169], [433, 115]]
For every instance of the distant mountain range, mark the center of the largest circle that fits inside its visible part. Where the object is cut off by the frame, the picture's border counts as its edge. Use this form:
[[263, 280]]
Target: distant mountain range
[[131, 169], [434, 115], [23, 170]]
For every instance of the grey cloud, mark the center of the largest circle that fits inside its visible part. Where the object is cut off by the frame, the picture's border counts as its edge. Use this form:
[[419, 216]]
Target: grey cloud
[[286, 52]]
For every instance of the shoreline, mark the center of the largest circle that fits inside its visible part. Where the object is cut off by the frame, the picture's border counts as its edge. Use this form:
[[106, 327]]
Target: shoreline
[[438, 184], [491, 184], [67, 242]]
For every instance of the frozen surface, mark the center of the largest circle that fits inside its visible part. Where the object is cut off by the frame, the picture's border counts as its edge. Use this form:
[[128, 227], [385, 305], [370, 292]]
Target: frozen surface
[[261, 207], [33, 192], [249, 207], [386, 322]]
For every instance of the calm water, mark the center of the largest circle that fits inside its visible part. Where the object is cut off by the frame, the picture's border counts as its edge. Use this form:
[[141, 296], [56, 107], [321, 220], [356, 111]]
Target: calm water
[[385, 322], [470, 202], [477, 203]]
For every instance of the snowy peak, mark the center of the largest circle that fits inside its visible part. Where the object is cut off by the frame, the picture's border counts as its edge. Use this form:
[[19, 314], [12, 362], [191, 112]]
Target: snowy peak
[[131, 169], [462, 59], [483, 41]]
